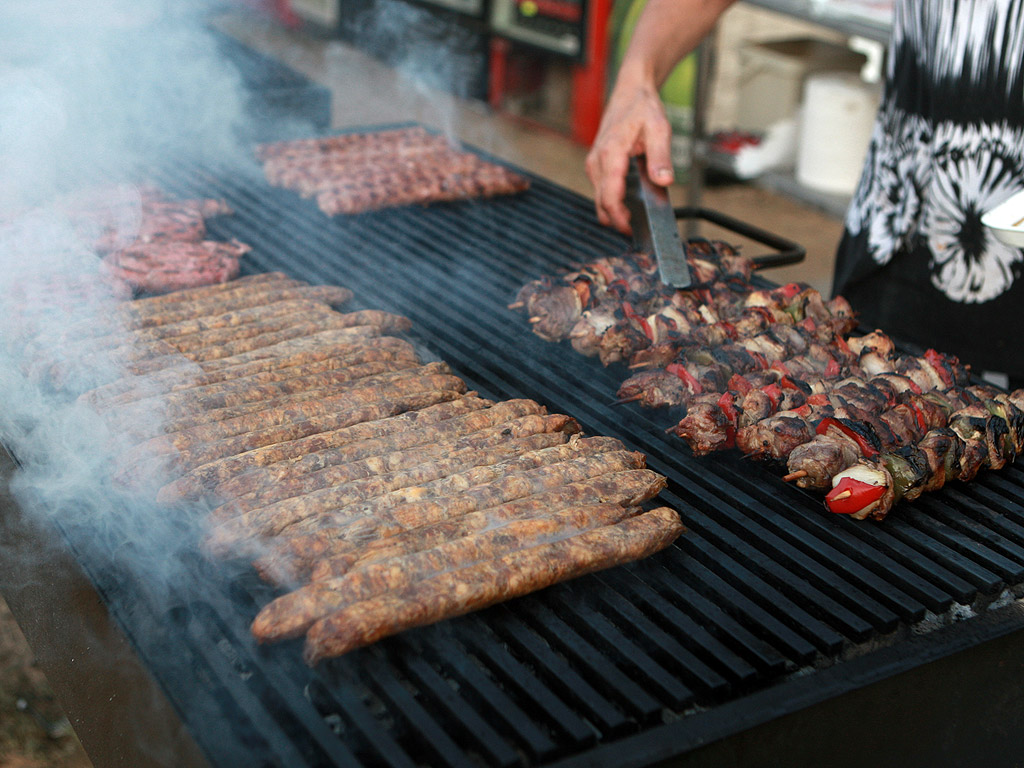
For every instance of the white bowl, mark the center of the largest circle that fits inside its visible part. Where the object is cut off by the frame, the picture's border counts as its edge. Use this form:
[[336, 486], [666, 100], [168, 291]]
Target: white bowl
[[1006, 221]]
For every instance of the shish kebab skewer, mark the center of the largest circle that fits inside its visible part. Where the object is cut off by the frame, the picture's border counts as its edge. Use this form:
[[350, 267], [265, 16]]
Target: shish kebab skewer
[[986, 434], [556, 308], [783, 325], [648, 327], [776, 436], [741, 414], [794, 351], [617, 308], [840, 443]]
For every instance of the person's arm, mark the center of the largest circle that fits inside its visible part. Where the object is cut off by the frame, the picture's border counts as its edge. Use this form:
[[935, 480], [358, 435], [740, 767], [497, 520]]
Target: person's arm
[[634, 120]]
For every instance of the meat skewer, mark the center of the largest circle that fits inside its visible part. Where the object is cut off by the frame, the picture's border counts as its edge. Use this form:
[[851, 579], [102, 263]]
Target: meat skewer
[[742, 417], [465, 589], [556, 307], [661, 339], [838, 445], [682, 382], [986, 434]]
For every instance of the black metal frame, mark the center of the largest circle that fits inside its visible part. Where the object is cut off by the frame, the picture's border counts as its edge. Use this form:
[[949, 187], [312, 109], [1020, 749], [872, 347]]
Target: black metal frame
[[785, 251]]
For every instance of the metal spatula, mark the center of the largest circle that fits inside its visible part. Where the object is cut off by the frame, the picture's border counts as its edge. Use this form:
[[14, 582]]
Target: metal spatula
[[655, 230]]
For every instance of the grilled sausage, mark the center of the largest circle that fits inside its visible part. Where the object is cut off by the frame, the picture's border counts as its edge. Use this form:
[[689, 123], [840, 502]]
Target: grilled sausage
[[207, 358], [422, 479], [385, 424], [191, 295], [357, 395], [226, 394], [143, 473], [136, 315], [197, 454], [374, 476], [268, 335], [301, 345], [291, 558], [400, 510], [328, 384], [366, 462], [292, 614], [330, 449], [331, 358], [553, 524], [217, 337], [183, 305], [467, 589], [194, 325]]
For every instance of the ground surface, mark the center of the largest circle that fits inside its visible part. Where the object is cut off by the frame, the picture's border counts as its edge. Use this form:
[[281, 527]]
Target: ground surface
[[33, 730]]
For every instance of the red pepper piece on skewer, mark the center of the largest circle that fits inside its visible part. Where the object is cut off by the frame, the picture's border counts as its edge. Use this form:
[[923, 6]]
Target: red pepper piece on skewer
[[739, 385], [727, 404], [851, 496], [680, 370], [866, 448]]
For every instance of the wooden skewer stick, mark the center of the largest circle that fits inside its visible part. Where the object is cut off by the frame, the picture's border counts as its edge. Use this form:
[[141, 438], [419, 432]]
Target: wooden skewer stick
[[1018, 222], [844, 495], [629, 399], [795, 475], [517, 305]]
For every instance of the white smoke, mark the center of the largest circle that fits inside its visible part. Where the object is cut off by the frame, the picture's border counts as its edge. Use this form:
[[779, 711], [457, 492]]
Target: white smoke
[[438, 59], [95, 97]]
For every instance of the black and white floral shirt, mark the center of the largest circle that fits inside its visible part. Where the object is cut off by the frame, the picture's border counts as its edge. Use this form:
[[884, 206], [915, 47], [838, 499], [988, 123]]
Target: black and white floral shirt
[[948, 145]]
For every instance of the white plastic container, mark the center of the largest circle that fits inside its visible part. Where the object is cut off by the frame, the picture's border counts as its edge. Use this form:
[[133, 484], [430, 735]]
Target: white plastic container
[[1006, 221], [772, 76], [836, 120]]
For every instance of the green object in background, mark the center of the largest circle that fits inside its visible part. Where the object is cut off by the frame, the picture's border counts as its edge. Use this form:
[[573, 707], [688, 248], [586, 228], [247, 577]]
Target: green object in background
[[678, 91]]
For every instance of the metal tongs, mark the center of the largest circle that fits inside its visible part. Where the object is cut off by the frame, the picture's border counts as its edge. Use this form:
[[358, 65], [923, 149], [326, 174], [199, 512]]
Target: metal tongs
[[655, 230]]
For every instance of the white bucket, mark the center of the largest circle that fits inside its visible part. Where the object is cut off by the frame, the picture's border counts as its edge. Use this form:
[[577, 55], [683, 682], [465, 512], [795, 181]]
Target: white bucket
[[836, 120]]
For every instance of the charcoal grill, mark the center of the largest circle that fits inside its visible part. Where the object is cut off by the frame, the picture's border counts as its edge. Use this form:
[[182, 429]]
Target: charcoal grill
[[772, 633]]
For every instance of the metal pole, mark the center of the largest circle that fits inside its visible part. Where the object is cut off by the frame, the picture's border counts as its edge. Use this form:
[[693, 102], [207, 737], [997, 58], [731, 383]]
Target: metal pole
[[697, 142]]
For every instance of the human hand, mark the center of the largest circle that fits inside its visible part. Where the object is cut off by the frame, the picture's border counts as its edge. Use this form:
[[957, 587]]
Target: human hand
[[634, 123]]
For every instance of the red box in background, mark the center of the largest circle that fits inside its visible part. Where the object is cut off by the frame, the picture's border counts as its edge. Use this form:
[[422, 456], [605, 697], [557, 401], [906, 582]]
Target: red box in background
[[538, 41]]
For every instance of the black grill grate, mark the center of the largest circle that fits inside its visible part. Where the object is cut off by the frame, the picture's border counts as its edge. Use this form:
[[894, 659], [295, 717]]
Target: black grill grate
[[765, 584]]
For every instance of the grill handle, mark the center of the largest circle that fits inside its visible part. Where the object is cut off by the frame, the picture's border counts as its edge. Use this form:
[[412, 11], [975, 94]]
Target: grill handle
[[787, 252]]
